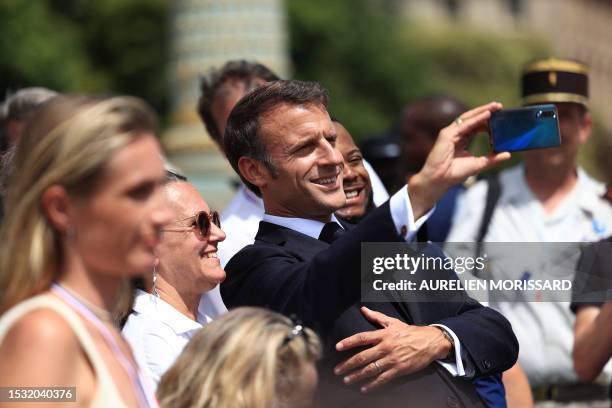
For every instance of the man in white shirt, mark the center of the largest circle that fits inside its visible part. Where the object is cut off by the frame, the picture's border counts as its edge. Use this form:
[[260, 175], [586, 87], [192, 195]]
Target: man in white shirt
[[547, 198]]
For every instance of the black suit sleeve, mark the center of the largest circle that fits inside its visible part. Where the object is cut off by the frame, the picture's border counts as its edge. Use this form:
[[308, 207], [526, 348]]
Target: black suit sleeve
[[485, 336], [316, 289], [487, 339]]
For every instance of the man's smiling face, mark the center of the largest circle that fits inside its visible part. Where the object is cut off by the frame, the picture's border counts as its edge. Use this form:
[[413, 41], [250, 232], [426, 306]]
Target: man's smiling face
[[300, 141], [356, 183]]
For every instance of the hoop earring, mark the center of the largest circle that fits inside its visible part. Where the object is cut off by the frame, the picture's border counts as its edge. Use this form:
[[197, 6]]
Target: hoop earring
[[154, 289]]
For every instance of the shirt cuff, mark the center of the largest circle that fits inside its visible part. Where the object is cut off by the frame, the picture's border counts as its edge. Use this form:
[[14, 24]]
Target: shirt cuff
[[403, 217], [456, 369]]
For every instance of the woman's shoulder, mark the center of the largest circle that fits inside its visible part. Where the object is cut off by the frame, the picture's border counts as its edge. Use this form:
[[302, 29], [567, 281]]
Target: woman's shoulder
[[40, 319], [38, 340], [44, 326]]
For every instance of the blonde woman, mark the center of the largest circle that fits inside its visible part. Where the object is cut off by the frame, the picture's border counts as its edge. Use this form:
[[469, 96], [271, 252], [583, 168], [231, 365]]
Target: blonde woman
[[84, 212], [247, 358]]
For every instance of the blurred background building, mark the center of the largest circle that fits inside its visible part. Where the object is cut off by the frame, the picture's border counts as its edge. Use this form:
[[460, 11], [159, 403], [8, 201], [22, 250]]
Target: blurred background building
[[205, 34], [374, 56], [578, 29]]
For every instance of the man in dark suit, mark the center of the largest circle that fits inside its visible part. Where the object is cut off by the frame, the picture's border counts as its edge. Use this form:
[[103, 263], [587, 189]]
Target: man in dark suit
[[280, 140]]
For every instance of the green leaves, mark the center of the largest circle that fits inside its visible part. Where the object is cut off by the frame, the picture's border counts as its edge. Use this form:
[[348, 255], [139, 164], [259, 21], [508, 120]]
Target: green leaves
[[105, 46], [38, 47], [374, 61]]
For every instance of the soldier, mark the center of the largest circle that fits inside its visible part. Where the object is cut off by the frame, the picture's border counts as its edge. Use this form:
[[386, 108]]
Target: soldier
[[546, 198]]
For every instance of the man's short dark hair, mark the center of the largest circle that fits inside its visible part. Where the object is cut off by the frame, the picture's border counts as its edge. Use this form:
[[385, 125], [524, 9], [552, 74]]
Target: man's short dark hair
[[242, 133], [431, 114], [247, 72]]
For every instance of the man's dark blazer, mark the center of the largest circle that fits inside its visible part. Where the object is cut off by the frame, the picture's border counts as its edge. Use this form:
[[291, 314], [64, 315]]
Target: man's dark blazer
[[295, 274]]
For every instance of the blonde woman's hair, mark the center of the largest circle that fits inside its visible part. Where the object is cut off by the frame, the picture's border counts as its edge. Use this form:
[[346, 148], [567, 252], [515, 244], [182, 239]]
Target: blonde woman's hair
[[67, 142], [247, 358]]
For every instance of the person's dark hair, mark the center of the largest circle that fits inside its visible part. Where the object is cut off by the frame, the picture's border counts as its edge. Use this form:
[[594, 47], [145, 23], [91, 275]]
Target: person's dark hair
[[247, 72], [433, 113], [242, 133], [19, 107], [426, 116]]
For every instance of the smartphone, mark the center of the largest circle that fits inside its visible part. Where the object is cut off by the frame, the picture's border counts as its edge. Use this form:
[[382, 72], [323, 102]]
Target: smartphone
[[531, 127]]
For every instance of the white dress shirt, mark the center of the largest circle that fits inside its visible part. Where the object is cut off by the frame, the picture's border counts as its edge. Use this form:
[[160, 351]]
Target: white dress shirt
[[157, 333], [240, 219], [403, 217], [240, 222], [544, 329], [379, 192]]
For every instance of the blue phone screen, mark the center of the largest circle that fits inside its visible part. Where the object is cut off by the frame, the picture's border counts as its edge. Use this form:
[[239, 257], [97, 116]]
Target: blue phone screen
[[533, 127]]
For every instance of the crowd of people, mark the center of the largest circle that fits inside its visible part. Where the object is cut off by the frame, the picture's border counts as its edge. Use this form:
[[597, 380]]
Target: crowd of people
[[116, 277]]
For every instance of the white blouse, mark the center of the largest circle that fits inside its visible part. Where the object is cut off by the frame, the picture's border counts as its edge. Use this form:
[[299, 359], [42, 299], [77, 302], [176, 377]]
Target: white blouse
[[158, 333]]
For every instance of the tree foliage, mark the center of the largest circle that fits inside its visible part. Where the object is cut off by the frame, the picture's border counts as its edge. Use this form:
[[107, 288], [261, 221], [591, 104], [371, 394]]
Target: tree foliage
[[352, 47], [117, 46], [374, 61]]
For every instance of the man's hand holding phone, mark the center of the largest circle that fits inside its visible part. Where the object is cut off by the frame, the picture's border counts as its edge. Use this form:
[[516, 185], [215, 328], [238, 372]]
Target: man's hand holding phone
[[450, 162]]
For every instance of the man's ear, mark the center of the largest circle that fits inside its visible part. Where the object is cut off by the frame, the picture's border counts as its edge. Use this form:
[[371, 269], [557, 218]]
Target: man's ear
[[586, 127], [254, 171], [56, 203]]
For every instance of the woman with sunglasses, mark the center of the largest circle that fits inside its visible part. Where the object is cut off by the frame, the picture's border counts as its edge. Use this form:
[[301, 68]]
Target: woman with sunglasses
[[166, 316], [84, 213], [247, 358]]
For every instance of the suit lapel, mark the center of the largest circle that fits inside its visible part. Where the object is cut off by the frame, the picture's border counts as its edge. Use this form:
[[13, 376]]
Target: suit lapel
[[301, 245], [304, 247]]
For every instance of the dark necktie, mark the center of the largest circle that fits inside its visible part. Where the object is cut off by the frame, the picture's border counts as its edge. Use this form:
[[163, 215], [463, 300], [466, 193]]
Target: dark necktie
[[331, 232]]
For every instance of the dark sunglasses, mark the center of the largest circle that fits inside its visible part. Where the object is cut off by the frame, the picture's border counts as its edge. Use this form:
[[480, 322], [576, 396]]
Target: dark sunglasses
[[202, 221]]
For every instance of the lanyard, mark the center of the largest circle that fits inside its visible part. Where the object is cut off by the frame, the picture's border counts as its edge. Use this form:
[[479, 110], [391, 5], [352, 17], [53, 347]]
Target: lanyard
[[146, 398]]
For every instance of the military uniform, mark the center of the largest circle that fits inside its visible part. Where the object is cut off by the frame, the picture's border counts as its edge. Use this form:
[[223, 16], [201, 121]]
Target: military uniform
[[544, 330]]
